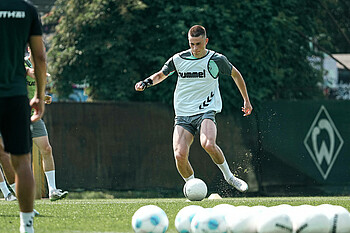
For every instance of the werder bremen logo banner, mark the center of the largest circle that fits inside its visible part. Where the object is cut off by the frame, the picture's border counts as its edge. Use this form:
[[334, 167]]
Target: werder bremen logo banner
[[323, 142]]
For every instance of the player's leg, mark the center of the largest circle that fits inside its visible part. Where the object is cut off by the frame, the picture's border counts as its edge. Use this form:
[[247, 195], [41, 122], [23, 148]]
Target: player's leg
[[41, 140], [45, 150], [15, 130], [182, 140], [25, 190], [24, 181], [9, 172], [208, 134], [4, 189], [5, 161]]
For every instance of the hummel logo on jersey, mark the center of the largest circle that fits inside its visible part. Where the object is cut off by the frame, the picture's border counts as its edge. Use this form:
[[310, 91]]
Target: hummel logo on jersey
[[13, 14], [192, 74], [207, 101]]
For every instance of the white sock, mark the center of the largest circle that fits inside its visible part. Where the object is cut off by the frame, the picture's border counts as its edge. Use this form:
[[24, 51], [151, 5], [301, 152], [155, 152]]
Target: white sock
[[225, 170], [188, 178], [27, 221], [51, 180], [4, 189], [13, 186]]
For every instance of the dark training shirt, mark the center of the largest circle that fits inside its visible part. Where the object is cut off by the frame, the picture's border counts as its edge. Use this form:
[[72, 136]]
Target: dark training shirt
[[18, 21]]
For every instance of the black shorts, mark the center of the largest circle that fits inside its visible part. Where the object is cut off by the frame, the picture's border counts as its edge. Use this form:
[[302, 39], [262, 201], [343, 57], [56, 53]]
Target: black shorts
[[193, 123], [15, 124]]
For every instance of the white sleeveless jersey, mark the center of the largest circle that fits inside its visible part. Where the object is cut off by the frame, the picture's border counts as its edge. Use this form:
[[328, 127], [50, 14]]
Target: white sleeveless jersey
[[197, 91]]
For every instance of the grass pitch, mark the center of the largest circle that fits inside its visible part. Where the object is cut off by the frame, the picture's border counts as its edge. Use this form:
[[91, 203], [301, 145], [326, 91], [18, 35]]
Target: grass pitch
[[114, 215]]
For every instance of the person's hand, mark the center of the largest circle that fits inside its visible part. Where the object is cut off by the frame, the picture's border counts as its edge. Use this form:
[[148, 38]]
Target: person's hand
[[247, 109], [48, 99], [39, 107], [140, 86], [30, 72]]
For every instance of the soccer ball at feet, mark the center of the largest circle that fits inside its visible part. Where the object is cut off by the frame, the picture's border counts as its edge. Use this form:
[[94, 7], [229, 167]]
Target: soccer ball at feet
[[195, 189]]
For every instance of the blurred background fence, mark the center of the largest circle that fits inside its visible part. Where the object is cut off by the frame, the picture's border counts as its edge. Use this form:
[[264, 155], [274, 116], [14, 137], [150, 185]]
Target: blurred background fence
[[284, 148]]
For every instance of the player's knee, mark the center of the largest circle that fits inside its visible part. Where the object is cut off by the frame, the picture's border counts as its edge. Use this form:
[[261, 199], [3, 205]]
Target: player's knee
[[4, 156], [21, 162], [208, 145], [180, 155], [46, 150]]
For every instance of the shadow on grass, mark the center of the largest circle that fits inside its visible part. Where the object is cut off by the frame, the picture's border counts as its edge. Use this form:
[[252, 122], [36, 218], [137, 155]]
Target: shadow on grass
[[8, 215], [82, 194]]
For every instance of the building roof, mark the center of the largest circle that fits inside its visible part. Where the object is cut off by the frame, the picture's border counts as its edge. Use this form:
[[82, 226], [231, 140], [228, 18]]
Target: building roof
[[343, 58]]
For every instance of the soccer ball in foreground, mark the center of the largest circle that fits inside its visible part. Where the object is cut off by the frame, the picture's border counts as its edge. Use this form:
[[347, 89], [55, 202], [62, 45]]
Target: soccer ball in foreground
[[209, 220], [243, 219], [275, 219], [150, 219], [339, 217], [307, 219], [225, 208], [184, 218], [195, 189]]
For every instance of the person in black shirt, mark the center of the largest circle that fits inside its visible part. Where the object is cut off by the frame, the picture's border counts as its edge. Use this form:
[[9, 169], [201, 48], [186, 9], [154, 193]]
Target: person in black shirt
[[20, 25]]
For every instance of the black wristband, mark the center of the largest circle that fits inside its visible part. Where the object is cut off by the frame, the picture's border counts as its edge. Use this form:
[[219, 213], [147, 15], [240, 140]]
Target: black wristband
[[147, 83]]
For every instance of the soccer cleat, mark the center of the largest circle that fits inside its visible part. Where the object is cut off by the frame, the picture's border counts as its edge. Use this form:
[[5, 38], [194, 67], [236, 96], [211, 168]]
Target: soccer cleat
[[57, 194], [36, 213], [10, 197], [239, 184]]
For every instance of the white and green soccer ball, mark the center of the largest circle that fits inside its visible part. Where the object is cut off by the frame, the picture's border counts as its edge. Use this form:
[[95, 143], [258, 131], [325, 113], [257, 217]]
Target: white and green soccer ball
[[195, 189], [308, 219], [209, 220], [338, 216], [184, 218], [275, 219], [150, 219]]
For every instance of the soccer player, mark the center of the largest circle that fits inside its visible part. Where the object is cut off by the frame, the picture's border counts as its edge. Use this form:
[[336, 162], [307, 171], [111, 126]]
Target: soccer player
[[197, 100], [19, 25], [41, 139]]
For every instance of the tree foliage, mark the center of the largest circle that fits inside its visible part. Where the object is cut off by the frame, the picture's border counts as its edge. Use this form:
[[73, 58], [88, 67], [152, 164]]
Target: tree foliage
[[336, 20], [113, 44]]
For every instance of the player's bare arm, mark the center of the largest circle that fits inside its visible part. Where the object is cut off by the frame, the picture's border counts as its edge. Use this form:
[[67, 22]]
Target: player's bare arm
[[150, 81], [237, 77]]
